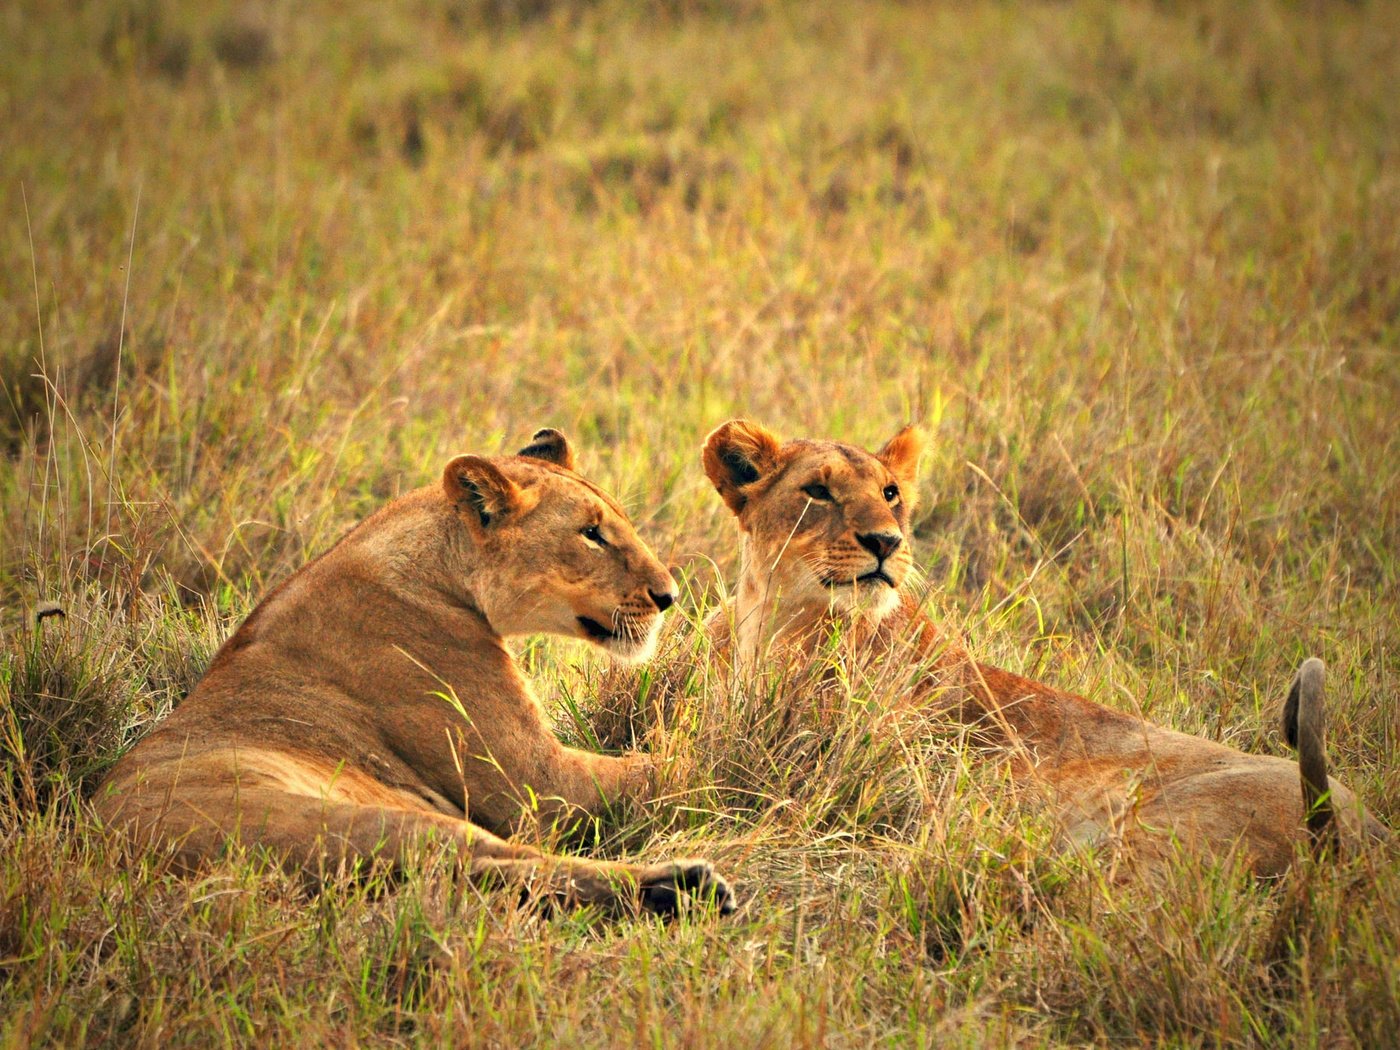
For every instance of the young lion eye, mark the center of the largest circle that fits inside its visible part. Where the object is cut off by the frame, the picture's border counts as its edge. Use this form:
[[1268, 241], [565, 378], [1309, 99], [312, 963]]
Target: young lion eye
[[891, 493], [593, 534], [820, 493]]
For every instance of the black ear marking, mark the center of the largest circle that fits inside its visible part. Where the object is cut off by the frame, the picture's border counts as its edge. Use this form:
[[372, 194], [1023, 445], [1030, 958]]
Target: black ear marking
[[475, 498], [740, 469], [551, 446], [738, 454]]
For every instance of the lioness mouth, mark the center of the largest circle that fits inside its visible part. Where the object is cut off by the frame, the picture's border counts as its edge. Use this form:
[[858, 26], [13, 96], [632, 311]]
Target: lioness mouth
[[878, 574], [596, 630], [869, 577]]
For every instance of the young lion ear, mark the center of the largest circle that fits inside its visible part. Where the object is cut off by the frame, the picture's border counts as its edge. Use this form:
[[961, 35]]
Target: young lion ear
[[901, 454], [477, 485], [737, 454], [551, 446]]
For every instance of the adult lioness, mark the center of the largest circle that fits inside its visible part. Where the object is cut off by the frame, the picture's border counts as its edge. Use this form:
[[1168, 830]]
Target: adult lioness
[[826, 537], [369, 701]]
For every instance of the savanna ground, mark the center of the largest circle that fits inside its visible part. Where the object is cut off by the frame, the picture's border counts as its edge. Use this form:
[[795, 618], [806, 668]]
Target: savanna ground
[[1134, 267]]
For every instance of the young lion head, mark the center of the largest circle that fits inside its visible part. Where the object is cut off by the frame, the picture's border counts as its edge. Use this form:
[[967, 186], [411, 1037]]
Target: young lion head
[[554, 553], [826, 524]]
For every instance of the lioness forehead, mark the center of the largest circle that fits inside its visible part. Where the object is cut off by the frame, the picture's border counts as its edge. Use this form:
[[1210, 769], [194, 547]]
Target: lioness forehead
[[835, 457], [535, 470]]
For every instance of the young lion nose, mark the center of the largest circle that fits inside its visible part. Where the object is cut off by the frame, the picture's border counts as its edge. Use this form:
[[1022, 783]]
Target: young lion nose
[[662, 601], [880, 544]]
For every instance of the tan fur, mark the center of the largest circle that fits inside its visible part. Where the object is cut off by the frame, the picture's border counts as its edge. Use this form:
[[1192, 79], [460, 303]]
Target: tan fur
[[1109, 776], [370, 702]]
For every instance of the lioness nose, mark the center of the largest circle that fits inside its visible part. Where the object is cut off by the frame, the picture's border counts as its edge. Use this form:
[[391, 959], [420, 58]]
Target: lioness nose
[[662, 601], [880, 544]]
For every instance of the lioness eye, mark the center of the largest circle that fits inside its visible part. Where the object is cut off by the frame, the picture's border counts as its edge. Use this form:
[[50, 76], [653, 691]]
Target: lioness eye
[[593, 534], [891, 493], [818, 492]]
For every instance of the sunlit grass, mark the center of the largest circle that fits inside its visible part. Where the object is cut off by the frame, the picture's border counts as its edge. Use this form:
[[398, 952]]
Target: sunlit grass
[[1134, 267]]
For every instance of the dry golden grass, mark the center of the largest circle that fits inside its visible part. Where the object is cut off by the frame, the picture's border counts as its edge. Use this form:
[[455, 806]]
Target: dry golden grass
[[1135, 267]]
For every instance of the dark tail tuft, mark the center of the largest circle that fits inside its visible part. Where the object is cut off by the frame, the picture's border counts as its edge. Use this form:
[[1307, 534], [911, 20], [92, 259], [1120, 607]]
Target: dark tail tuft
[[1305, 727]]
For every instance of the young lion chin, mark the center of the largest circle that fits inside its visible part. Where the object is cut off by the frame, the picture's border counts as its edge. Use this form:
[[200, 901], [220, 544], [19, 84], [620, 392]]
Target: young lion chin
[[370, 702], [825, 529]]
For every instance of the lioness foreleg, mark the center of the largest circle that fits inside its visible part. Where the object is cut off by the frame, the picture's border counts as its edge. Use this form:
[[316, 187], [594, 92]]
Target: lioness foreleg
[[313, 836], [574, 782]]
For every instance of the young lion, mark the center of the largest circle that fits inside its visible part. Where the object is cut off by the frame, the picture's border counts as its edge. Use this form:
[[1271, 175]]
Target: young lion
[[826, 537], [370, 701]]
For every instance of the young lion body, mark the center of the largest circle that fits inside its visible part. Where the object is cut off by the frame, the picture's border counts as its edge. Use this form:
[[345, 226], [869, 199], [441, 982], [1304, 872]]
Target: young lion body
[[826, 534], [369, 702]]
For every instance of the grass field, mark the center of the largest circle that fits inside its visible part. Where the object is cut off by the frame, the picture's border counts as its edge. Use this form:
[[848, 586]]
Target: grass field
[[1134, 267]]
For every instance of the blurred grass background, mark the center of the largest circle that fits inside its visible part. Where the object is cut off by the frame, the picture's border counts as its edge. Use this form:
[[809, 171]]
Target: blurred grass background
[[1135, 267]]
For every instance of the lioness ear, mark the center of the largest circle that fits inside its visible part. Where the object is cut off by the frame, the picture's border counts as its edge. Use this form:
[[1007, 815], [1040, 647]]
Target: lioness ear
[[901, 454], [737, 454], [551, 446], [477, 485]]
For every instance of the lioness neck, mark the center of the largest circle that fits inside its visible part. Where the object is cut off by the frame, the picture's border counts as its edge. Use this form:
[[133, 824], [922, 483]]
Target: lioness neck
[[768, 624], [413, 545], [401, 579]]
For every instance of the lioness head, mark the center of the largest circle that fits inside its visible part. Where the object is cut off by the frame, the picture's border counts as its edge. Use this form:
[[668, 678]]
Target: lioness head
[[554, 553], [826, 524]]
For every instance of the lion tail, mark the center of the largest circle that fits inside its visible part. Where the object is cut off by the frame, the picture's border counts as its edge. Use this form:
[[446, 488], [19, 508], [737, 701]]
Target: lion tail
[[1305, 727]]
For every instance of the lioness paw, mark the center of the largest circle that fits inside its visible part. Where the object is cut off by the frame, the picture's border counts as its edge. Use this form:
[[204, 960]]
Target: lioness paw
[[663, 887]]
